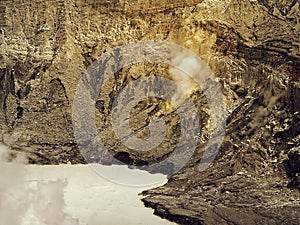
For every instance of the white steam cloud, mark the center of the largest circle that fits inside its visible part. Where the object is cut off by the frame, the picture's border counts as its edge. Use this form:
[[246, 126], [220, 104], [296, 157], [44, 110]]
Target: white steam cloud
[[18, 200], [49, 204], [188, 73]]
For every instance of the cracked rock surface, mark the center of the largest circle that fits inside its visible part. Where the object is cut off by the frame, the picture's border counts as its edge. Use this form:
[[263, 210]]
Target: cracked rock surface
[[253, 48]]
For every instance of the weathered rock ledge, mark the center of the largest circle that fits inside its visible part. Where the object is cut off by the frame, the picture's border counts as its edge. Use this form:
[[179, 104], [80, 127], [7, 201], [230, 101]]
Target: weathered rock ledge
[[253, 48]]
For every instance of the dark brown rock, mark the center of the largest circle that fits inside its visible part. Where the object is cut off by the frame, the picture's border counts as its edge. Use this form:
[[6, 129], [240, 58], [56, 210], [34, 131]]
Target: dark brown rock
[[253, 49]]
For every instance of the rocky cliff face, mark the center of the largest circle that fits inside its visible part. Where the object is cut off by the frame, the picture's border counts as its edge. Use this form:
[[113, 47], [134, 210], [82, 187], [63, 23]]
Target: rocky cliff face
[[253, 49]]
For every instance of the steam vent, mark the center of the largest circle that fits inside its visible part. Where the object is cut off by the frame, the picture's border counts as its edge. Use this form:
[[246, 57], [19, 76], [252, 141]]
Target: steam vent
[[245, 54]]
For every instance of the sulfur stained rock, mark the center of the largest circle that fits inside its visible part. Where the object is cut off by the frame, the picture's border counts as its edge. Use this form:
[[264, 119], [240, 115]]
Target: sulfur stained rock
[[251, 46]]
